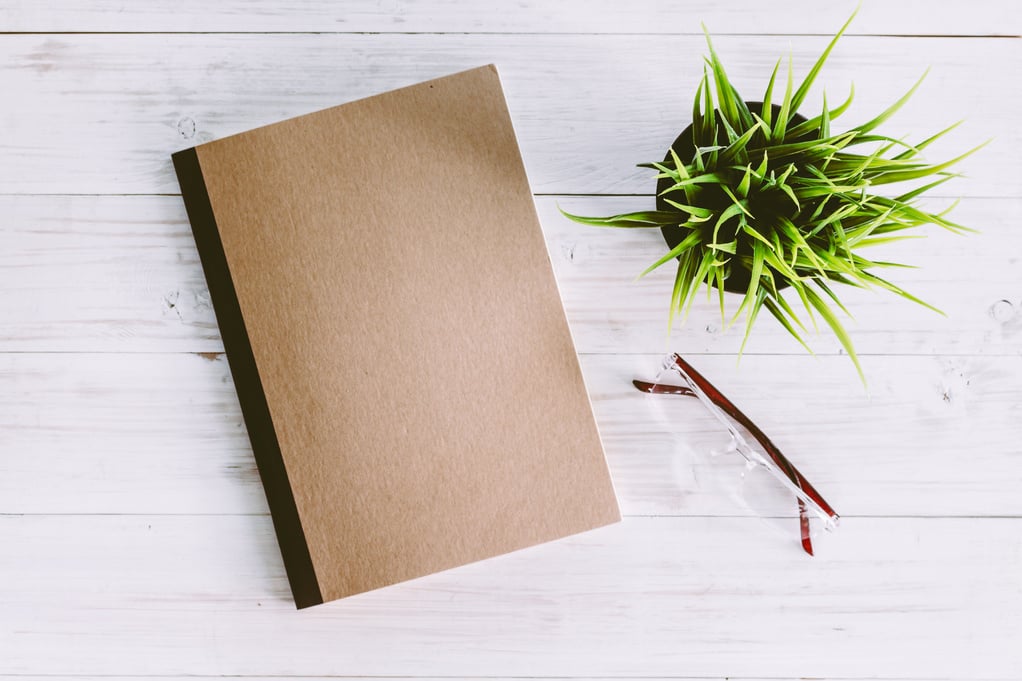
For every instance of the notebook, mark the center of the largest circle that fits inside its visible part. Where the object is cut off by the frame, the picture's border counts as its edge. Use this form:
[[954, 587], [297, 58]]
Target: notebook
[[394, 330]]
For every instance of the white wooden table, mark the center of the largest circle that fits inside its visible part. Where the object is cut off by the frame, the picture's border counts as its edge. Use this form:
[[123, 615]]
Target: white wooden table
[[134, 535]]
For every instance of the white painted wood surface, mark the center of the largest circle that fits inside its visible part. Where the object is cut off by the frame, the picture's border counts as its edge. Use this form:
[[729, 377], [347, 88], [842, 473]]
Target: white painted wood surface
[[587, 108], [902, 17], [134, 534]]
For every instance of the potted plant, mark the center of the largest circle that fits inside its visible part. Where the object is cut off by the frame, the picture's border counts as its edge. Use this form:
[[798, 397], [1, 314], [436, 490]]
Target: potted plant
[[754, 198]]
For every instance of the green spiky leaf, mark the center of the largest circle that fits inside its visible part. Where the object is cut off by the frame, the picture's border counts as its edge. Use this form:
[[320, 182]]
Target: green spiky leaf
[[785, 203]]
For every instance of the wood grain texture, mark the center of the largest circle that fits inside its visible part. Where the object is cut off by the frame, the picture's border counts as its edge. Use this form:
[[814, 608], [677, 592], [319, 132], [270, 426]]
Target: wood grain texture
[[902, 17], [97, 119], [136, 543], [433, 678], [122, 274], [649, 597], [136, 433]]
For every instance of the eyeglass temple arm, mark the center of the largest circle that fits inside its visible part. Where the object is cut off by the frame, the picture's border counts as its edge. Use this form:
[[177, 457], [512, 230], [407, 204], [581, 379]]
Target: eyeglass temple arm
[[662, 388], [723, 402], [789, 470], [729, 408]]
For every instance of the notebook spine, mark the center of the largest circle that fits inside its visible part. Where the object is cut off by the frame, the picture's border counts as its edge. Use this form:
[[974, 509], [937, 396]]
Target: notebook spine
[[255, 410]]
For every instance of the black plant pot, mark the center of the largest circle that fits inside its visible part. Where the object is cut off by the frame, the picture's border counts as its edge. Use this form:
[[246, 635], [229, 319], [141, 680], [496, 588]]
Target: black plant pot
[[738, 280]]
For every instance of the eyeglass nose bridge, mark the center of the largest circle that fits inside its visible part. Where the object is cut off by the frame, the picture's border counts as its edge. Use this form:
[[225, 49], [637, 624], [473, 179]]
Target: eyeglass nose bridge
[[752, 463], [726, 448]]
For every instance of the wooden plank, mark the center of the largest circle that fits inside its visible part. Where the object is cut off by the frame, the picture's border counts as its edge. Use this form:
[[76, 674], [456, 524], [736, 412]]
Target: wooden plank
[[649, 597], [906, 17], [137, 433], [115, 272], [101, 114], [122, 274], [20, 677], [971, 278]]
